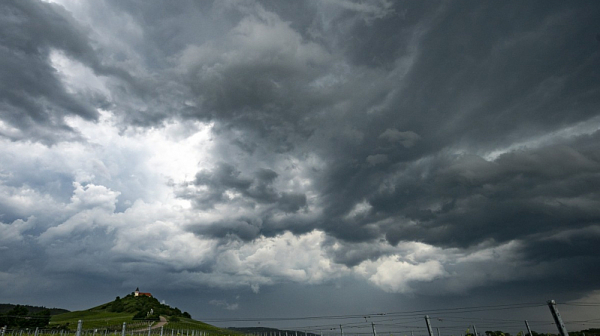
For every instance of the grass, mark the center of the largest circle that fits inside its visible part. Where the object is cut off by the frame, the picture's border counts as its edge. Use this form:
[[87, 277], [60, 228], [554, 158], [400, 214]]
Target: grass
[[103, 320], [189, 324], [93, 319]]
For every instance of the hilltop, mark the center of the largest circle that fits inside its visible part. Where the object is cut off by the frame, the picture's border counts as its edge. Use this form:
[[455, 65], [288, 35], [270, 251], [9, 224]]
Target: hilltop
[[137, 311], [143, 308]]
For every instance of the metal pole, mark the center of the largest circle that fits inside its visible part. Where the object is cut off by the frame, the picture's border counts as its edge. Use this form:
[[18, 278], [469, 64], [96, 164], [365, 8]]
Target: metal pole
[[475, 330], [161, 330], [557, 319], [79, 326], [528, 329], [373, 326], [124, 326], [428, 325]]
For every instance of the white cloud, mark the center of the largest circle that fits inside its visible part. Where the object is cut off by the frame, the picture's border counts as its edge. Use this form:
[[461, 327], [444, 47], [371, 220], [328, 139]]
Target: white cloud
[[224, 304], [13, 232], [394, 275]]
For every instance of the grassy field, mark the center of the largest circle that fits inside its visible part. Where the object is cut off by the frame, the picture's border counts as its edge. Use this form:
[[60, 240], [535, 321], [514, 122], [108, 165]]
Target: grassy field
[[103, 320], [189, 324], [107, 320], [93, 319]]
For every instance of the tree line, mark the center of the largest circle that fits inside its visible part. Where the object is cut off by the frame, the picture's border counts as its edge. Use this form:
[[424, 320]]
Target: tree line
[[20, 317]]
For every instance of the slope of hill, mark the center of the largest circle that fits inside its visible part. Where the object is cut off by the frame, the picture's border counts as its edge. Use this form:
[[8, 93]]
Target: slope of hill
[[137, 311]]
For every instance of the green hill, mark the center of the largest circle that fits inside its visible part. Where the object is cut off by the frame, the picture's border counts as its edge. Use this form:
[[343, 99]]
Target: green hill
[[137, 311]]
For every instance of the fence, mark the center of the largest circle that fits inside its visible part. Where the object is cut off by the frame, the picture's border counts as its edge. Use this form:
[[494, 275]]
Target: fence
[[179, 329]]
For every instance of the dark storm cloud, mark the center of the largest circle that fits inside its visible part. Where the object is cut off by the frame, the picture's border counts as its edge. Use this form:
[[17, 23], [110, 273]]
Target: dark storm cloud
[[455, 80], [257, 188], [467, 126], [33, 99], [227, 185]]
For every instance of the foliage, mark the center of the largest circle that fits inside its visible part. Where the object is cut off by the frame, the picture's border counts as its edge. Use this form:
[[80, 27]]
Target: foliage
[[587, 332], [20, 317], [5, 307], [496, 333], [140, 306]]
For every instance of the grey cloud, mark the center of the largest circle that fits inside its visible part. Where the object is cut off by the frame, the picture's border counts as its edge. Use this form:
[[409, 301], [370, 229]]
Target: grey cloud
[[407, 139], [258, 188], [376, 159], [245, 229], [34, 100], [394, 107]]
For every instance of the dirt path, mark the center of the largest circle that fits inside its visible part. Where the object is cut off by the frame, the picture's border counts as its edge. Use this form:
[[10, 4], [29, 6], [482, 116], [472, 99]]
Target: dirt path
[[160, 323]]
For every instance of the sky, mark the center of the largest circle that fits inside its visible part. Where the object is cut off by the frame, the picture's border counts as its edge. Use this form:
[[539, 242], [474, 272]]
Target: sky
[[274, 159]]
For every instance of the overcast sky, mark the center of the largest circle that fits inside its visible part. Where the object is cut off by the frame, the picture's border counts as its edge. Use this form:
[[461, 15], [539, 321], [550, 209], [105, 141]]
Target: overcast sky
[[243, 158]]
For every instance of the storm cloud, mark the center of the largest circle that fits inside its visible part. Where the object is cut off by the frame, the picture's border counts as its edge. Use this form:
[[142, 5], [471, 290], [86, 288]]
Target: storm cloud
[[411, 147]]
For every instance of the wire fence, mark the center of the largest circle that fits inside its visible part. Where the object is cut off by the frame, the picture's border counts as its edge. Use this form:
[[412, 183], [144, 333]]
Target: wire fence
[[460, 321]]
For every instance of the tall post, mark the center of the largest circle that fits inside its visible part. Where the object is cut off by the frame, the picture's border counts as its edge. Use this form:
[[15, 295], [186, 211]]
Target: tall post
[[557, 319], [341, 330], [373, 326], [124, 327], [528, 329], [475, 330], [161, 330], [79, 327], [428, 325], [149, 328]]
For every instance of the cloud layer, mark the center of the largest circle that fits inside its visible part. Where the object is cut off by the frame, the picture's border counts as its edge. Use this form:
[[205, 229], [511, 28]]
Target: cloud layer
[[416, 147]]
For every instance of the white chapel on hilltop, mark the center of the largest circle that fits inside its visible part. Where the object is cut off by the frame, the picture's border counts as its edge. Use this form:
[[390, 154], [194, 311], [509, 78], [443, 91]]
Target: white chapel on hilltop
[[138, 293]]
